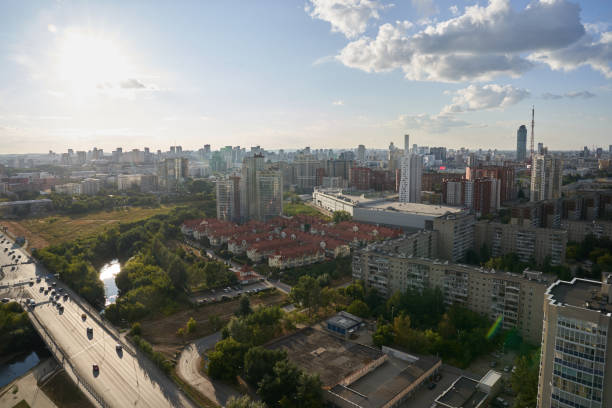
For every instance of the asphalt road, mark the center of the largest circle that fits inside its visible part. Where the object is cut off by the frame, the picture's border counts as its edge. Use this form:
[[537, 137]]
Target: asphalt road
[[123, 379], [188, 369]]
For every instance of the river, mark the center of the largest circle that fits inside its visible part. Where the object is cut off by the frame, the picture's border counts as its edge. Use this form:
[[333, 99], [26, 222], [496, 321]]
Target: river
[[107, 275], [17, 366]]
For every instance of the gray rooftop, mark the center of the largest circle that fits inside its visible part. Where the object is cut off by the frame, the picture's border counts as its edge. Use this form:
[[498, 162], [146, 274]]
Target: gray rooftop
[[463, 393], [581, 293]]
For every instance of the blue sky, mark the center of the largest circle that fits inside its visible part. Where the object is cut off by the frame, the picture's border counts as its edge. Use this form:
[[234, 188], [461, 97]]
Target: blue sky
[[287, 74]]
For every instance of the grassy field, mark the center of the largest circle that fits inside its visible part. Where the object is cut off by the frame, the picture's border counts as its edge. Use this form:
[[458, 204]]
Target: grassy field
[[291, 209], [41, 232], [161, 332]]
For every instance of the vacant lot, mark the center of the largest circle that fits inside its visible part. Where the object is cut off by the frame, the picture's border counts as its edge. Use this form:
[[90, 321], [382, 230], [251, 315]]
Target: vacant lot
[[64, 393], [161, 332], [41, 232]]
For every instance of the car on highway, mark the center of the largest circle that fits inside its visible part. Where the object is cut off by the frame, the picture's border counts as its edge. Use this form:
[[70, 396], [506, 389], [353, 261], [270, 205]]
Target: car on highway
[[38, 280], [65, 296], [90, 331], [95, 368], [119, 348], [41, 289], [5, 300], [83, 316]]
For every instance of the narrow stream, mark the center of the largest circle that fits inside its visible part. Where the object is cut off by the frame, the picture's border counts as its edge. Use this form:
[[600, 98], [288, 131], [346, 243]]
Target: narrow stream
[[107, 275]]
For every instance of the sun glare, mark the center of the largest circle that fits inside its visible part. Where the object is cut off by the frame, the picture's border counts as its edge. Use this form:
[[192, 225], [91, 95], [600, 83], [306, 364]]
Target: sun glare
[[90, 62]]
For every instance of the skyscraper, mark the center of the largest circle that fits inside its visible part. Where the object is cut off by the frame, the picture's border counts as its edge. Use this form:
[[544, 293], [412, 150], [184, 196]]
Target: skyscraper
[[172, 172], [406, 144], [261, 190], [546, 171], [228, 198], [575, 369], [521, 143], [410, 182], [361, 153]]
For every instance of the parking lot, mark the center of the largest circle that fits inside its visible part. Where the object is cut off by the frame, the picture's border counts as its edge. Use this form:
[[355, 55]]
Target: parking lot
[[230, 292]]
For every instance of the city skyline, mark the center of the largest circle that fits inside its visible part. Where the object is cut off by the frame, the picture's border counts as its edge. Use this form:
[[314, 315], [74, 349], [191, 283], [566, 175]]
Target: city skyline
[[329, 73]]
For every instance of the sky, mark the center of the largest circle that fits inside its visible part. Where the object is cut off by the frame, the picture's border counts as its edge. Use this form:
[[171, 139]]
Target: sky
[[295, 73]]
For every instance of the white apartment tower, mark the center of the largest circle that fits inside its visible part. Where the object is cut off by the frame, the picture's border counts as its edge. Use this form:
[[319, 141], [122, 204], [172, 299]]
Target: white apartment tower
[[411, 174], [546, 172]]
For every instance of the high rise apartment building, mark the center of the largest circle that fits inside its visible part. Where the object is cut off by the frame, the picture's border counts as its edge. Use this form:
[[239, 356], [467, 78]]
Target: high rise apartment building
[[576, 353], [455, 235], [361, 153], [172, 172], [521, 143], [529, 243], [269, 195], [410, 179], [398, 265], [306, 166], [228, 198], [261, 190], [546, 172]]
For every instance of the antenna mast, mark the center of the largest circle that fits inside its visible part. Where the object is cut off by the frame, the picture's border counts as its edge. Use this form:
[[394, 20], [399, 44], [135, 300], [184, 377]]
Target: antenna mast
[[532, 126]]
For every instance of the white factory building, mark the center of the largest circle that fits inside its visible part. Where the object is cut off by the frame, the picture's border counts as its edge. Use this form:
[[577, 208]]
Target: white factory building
[[380, 210]]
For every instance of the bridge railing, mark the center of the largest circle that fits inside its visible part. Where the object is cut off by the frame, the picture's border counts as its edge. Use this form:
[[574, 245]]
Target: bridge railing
[[59, 355]]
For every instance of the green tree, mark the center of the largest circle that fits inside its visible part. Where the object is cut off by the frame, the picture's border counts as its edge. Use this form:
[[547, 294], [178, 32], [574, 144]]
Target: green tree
[[359, 308], [191, 326], [280, 388], [244, 402], [340, 216], [245, 306], [524, 380], [226, 361], [259, 362], [307, 293], [309, 391]]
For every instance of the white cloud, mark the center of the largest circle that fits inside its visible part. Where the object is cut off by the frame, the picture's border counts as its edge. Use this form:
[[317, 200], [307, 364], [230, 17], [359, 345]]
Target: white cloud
[[440, 123], [349, 17], [425, 7], [591, 51], [492, 96], [454, 10], [570, 95], [338, 102], [482, 43]]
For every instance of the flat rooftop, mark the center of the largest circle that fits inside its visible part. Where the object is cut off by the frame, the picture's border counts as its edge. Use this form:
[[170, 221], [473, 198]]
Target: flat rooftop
[[344, 320], [379, 386], [580, 293], [331, 357], [462, 393], [433, 210]]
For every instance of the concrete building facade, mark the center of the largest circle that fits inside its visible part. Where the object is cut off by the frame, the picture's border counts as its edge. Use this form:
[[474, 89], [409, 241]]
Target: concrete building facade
[[575, 369], [391, 266]]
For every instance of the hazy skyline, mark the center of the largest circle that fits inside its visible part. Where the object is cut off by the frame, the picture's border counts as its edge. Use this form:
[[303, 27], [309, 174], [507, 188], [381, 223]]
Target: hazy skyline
[[289, 74]]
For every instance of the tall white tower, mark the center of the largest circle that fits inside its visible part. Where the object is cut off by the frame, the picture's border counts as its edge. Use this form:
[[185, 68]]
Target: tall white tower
[[410, 181]]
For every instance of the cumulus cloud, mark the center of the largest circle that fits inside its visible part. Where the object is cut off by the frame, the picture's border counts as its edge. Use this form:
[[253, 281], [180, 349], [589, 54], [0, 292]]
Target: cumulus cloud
[[480, 44], [594, 50], [570, 95], [454, 10], [132, 84], [338, 102], [440, 123], [349, 17], [492, 96]]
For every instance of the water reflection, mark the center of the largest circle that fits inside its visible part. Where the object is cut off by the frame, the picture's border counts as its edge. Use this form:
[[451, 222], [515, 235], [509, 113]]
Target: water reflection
[[107, 275], [17, 367]]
